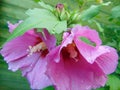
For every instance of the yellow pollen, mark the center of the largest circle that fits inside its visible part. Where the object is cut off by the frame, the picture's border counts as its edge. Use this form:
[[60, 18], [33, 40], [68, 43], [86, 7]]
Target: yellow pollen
[[36, 48]]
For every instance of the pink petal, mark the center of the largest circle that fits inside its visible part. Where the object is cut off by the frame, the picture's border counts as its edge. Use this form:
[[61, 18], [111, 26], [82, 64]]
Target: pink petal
[[57, 74], [72, 75], [65, 35], [56, 54], [15, 53], [108, 61], [17, 47], [13, 26], [89, 52], [84, 31], [37, 77], [24, 62], [49, 39], [67, 39]]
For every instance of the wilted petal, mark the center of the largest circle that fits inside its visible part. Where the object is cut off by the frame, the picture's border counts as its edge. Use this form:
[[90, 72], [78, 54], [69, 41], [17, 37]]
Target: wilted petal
[[108, 61]]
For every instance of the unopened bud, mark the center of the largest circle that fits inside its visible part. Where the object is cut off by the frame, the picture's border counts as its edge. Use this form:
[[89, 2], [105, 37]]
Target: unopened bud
[[60, 7]]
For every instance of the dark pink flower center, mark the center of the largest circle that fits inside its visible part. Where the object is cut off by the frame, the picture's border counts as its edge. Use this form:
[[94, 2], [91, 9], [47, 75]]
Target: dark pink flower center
[[70, 51]]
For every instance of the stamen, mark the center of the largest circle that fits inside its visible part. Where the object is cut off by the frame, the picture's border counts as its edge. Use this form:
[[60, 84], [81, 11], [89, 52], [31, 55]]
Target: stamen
[[72, 51], [36, 48]]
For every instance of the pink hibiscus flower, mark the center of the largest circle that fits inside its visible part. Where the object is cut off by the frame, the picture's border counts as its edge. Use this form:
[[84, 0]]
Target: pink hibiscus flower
[[28, 54], [78, 65]]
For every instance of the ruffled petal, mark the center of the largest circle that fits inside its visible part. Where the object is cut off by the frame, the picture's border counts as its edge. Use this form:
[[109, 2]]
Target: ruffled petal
[[108, 61], [33, 66], [57, 74], [26, 62], [65, 35], [56, 54], [67, 39], [84, 31], [37, 77], [17, 48], [89, 52], [72, 75], [84, 76], [49, 39]]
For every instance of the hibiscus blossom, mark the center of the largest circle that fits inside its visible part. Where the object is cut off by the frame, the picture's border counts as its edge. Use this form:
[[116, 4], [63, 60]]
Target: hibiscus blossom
[[81, 62], [28, 54]]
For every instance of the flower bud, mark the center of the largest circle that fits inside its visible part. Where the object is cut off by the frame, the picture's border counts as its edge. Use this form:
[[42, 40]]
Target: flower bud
[[59, 7]]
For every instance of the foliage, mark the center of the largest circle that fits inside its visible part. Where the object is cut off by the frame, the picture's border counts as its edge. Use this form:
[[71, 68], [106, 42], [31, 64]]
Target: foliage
[[113, 82]]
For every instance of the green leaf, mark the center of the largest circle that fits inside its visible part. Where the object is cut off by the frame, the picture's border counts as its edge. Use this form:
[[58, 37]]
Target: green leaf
[[86, 40], [40, 12], [116, 12], [103, 88], [49, 88], [90, 12], [42, 4], [37, 0], [118, 68], [60, 26], [113, 82], [98, 25], [72, 4], [40, 18]]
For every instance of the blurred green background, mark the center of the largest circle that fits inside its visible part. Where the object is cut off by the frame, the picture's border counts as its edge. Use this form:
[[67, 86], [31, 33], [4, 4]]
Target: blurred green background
[[107, 22]]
